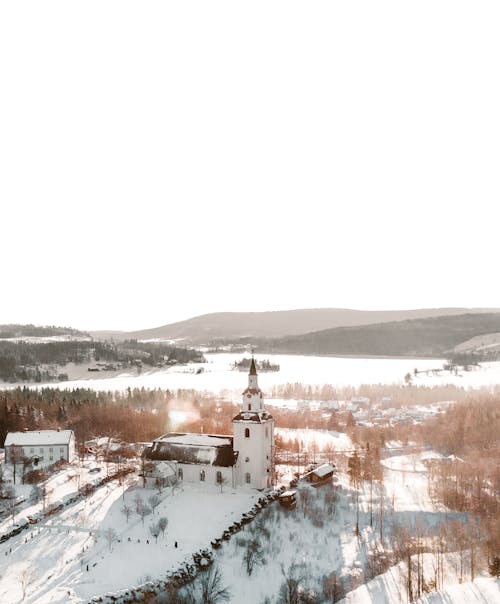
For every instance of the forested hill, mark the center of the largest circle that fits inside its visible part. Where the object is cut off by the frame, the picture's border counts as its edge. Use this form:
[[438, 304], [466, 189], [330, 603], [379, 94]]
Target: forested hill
[[37, 331], [433, 336], [230, 325]]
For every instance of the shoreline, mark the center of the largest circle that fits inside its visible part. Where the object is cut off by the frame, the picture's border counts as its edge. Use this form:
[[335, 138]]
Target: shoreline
[[332, 356]]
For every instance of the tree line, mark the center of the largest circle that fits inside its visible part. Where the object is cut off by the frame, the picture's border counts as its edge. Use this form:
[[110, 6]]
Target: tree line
[[23, 361]]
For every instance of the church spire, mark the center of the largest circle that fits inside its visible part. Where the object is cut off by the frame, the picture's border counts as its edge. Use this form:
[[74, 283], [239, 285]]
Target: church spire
[[253, 370]]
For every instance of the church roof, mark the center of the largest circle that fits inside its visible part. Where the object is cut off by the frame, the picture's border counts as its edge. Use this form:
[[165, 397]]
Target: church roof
[[200, 449], [186, 438], [253, 370]]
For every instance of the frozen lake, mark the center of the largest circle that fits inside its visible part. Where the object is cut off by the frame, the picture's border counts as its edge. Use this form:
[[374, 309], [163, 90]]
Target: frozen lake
[[217, 375]]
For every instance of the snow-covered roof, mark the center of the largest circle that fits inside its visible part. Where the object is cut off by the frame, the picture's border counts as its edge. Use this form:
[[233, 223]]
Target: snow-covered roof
[[206, 440], [38, 437], [288, 494], [205, 449], [323, 470]]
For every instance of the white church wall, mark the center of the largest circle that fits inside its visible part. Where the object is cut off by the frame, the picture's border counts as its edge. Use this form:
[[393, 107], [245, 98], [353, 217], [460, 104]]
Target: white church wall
[[254, 452], [192, 473]]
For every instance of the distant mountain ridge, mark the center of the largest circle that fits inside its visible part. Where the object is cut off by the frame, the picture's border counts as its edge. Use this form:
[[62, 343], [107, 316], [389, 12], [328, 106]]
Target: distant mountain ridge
[[205, 329], [431, 336]]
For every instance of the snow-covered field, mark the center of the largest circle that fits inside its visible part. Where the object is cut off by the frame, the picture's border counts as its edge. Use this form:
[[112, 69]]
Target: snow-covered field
[[319, 440], [317, 542], [481, 591], [57, 552], [389, 588], [217, 375]]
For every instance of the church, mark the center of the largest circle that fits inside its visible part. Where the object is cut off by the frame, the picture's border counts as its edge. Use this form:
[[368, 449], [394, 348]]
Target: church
[[245, 459]]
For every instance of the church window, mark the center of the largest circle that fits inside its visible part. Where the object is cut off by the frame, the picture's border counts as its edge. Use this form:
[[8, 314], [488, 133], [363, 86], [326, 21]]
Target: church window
[[267, 433], [249, 407], [202, 476], [218, 477], [180, 474], [247, 477], [247, 432]]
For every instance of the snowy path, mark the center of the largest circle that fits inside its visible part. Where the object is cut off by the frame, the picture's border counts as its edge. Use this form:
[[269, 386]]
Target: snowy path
[[51, 551]]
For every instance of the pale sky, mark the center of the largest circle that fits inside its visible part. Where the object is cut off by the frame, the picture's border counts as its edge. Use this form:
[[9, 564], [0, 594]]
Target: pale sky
[[160, 160]]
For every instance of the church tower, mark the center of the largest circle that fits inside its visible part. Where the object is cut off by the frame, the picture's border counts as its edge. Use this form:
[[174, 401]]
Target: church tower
[[253, 430]]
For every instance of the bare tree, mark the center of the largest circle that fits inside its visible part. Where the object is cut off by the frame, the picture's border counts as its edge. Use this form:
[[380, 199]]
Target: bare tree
[[332, 588], [253, 555], [10, 495], [290, 588], [143, 512], [305, 500], [15, 457], [212, 589], [110, 535], [45, 495], [222, 480], [138, 503], [127, 511], [160, 484], [163, 523], [154, 501], [155, 530], [146, 468], [26, 577]]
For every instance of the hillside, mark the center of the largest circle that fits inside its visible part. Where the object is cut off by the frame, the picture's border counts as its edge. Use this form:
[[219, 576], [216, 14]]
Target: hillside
[[12, 331], [432, 336], [231, 325]]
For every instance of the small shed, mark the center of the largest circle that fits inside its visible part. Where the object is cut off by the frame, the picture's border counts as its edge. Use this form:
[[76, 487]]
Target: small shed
[[288, 499], [321, 474]]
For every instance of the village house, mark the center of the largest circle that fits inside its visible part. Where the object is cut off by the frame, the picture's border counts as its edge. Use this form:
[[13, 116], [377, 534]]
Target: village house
[[42, 447], [321, 474], [246, 458]]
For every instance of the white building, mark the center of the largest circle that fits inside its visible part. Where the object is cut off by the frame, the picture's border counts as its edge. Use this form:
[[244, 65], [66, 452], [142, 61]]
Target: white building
[[253, 430], [244, 459], [42, 447]]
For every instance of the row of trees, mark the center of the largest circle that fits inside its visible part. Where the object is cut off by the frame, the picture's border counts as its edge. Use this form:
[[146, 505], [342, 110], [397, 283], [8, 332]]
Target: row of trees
[[87, 412], [401, 395]]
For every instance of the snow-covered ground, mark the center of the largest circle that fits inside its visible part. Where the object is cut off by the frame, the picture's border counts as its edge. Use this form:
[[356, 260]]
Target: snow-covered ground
[[316, 542], [217, 375], [389, 587], [62, 483], [312, 541], [481, 591], [57, 552], [319, 440]]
